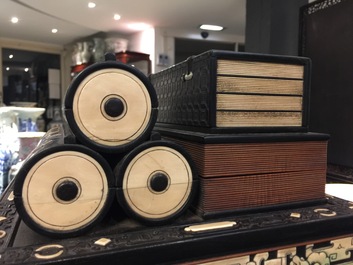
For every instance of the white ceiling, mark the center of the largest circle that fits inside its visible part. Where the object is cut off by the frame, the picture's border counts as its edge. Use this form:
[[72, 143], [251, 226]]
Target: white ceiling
[[75, 20]]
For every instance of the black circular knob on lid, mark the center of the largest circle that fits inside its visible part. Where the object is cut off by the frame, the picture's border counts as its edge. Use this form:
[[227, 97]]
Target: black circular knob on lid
[[67, 191], [159, 182], [114, 107]]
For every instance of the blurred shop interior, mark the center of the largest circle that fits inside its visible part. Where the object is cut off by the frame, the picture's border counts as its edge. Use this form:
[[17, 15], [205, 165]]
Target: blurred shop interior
[[45, 44]]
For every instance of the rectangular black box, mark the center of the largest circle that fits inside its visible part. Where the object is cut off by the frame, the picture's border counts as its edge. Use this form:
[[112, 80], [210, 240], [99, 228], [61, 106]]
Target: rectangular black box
[[230, 91]]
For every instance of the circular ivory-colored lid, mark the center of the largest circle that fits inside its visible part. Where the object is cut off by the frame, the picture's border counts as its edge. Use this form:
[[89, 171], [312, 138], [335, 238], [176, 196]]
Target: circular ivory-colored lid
[[65, 191], [157, 182], [112, 107]]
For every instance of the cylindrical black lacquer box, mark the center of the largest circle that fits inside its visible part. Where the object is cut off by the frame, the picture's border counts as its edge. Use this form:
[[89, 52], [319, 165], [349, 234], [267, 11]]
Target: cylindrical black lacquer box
[[111, 107], [63, 189], [156, 182]]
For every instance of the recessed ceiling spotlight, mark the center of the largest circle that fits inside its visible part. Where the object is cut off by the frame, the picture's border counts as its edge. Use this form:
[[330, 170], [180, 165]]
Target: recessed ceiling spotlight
[[54, 30], [26, 69], [211, 27], [7, 68], [91, 5], [11, 56], [117, 17], [14, 20]]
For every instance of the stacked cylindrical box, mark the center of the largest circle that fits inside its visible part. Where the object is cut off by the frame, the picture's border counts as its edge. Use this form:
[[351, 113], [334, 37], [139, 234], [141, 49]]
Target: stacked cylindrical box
[[106, 150]]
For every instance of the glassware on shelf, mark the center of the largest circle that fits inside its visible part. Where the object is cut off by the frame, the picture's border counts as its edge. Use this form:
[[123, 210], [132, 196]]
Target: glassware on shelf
[[9, 144], [27, 118], [57, 120], [98, 49]]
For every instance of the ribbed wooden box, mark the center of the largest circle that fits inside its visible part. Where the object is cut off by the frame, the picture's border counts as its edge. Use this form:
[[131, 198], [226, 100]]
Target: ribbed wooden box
[[247, 172], [230, 91]]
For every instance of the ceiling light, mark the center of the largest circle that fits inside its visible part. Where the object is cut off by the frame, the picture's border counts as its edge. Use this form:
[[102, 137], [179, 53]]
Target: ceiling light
[[117, 17], [14, 20], [54, 30], [11, 56], [91, 5], [26, 69], [211, 27], [7, 68]]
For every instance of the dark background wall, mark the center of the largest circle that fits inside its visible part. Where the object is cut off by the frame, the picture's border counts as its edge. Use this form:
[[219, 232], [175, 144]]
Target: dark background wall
[[272, 26], [327, 38], [322, 31]]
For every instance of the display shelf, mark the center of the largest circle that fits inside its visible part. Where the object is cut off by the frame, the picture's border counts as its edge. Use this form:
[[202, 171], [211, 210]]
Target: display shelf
[[139, 60]]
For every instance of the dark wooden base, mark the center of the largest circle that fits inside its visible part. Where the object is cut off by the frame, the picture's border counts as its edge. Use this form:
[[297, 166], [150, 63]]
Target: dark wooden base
[[318, 233], [339, 174]]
